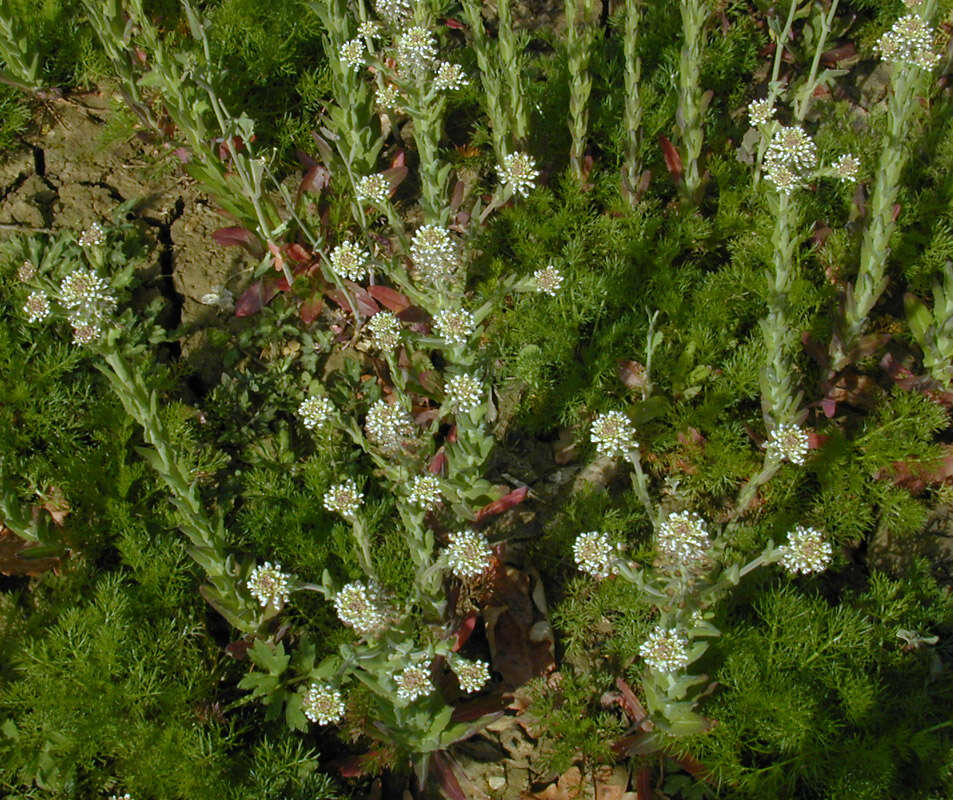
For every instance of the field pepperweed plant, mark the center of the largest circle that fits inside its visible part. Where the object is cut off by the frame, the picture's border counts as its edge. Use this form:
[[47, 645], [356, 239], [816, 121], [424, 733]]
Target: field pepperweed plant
[[581, 415]]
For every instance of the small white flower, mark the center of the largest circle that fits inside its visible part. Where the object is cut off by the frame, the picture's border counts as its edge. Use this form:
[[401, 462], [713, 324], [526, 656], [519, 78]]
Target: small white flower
[[349, 260], [613, 434], [788, 442], [518, 171], [468, 554], [384, 330], [87, 334], [909, 41], [395, 12], [416, 49], [371, 29], [846, 167], [88, 299], [352, 53], [388, 426], [806, 551], [36, 307], [548, 280], [92, 236], [683, 537], [666, 650], [269, 585], [26, 272], [449, 77], [344, 498], [414, 682], [464, 393], [357, 607], [471, 675], [125, 796], [315, 412], [434, 253], [425, 491], [782, 176], [375, 188], [595, 555], [220, 297], [322, 703], [455, 327], [793, 147], [388, 96], [760, 112]]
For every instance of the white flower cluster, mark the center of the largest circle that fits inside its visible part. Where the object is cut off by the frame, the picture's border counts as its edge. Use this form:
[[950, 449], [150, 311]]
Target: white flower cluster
[[269, 585], [518, 171], [344, 498], [395, 12], [88, 302], [387, 97], [464, 393], [384, 330], [315, 412], [322, 703], [846, 167], [374, 187], [371, 29], [666, 650], [424, 491], [595, 555], [449, 77], [434, 253], [789, 158], [760, 112], [92, 236], [909, 41], [125, 796], [683, 537], [548, 280], [349, 260], [358, 607], [455, 327], [26, 272], [472, 675], [788, 442], [388, 426], [806, 551], [468, 553], [36, 307], [352, 53], [613, 434], [414, 682], [416, 48]]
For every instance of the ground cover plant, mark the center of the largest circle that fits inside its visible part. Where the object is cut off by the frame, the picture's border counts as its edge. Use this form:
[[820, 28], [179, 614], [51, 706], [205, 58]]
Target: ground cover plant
[[578, 421]]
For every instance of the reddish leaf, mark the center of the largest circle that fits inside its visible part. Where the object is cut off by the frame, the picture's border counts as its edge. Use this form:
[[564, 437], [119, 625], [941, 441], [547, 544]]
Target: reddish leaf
[[464, 631], [896, 211], [297, 253], [16, 557], [235, 236], [692, 766], [442, 765], [311, 308], [389, 298], [396, 174], [454, 24], [456, 197], [314, 180], [643, 784], [238, 649], [690, 438], [399, 161], [673, 161], [829, 407], [505, 503], [631, 705], [256, 297], [837, 54], [438, 462], [815, 441], [54, 503], [183, 154], [916, 476]]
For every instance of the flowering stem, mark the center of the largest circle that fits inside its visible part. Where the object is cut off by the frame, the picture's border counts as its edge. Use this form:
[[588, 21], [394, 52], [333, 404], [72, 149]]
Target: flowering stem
[[750, 489], [510, 58], [802, 104], [774, 87], [640, 483], [690, 114], [490, 78], [633, 98], [579, 44]]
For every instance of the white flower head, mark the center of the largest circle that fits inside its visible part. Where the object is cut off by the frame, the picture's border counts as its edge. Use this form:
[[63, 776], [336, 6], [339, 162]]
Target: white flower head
[[413, 682], [793, 147], [92, 236], [548, 280], [344, 499], [613, 434], [416, 48], [455, 326], [86, 334], [349, 260], [760, 112], [26, 272], [269, 585], [846, 167], [315, 412], [375, 188], [322, 703], [909, 41], [464, 393], [388, 97], [683, 537], [352, 53], [449, 77], [518, 171], [666, 650], [384, 331], [371, 29], [595, 555], [782, 176], [88, 300], [36, 307], [471, 675], [468, 554], [425, 491], [220, 297], [788, 442], [395, 12], [806, 551], [388, 426], [434, 253], [358, 606]]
